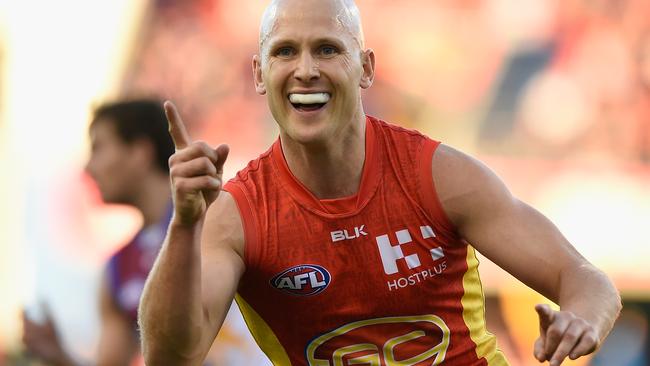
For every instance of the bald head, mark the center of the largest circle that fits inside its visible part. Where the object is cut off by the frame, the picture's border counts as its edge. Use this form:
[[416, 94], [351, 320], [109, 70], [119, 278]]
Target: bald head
[[345, 12]]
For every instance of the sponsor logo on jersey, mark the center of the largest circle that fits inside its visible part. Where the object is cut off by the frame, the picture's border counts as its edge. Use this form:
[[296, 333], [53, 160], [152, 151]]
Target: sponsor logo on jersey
[[400, 340], [303, 280], [346, 234], [391, 254]]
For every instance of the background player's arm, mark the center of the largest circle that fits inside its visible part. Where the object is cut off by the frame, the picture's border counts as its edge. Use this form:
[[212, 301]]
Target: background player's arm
[[118, 343], [190, 287], [42, 340], [526, 244]]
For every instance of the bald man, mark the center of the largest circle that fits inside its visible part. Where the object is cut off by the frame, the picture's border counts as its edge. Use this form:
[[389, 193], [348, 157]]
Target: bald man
[[348, 241]]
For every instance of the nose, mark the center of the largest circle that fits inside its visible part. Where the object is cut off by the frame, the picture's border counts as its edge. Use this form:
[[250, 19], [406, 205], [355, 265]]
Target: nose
[[307, 68]]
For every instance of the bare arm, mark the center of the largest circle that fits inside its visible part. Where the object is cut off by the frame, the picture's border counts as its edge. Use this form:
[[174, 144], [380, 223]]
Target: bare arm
[[117, 342], [526, 244], [191, 285], [43, 342]]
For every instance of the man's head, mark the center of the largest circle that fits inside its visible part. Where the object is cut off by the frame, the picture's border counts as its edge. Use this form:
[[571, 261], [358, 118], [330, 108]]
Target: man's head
[[347, 15], [312, 65], [129, 144]]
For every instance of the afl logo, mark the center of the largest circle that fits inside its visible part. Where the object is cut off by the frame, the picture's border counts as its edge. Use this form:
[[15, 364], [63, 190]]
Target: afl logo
[[302, 280]]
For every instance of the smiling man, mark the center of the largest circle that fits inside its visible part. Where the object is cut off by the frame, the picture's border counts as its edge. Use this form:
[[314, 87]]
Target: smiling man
[[348, 241]]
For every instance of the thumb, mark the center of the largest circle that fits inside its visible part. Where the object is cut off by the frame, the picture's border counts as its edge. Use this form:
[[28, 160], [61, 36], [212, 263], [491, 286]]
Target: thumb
[[540, 346], [222, 154], [546, 316]]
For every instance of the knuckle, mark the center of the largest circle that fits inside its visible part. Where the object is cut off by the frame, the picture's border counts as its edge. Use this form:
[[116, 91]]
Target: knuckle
[[206, 164], [590, 338], [181, 185], [572, 333], [568, 315], [201, 145], [554, 332], [585, 324], [206, 181]]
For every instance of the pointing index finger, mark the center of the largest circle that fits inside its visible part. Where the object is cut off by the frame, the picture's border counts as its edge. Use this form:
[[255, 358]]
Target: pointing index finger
[[545, 316], [176, 126]]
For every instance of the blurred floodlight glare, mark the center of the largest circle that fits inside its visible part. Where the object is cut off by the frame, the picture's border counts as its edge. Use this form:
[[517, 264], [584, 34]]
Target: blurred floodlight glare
[[61, 57], [605, 215], [554, 91]]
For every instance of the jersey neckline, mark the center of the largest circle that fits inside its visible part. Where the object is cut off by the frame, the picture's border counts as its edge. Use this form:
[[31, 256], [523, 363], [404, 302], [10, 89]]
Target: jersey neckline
[[339, 207]]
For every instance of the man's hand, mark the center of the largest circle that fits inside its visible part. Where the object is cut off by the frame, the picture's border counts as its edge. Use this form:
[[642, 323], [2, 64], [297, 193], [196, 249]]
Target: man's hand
[[195, 170], [563, 334], [42, 341]]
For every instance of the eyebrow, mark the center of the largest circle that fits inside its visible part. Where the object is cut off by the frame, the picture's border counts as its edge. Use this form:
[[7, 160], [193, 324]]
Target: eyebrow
[[278, 42]]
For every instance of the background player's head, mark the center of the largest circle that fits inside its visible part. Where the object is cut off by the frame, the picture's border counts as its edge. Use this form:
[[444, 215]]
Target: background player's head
[[130, 145], [313, 47]]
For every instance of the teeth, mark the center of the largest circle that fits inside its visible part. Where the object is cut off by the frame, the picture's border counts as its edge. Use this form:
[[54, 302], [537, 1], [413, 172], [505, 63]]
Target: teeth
[[313, 98]]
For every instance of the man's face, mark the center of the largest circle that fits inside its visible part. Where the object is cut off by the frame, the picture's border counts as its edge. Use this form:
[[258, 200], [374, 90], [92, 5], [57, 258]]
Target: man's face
[[312, 67], [111, 163]]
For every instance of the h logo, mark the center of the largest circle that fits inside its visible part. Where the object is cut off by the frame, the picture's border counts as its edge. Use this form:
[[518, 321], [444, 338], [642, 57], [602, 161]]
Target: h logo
[[390, 253]]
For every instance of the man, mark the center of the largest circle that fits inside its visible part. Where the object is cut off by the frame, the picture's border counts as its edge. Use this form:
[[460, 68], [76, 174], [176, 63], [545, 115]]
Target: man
[[128, 162], [348, 241]]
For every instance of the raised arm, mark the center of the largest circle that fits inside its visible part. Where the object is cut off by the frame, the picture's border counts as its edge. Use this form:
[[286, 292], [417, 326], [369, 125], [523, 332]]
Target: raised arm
[[525, 243], [190, 288]]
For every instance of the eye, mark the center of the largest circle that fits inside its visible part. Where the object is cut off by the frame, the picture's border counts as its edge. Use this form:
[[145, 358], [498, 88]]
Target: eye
[[328, 50], [285, 52]]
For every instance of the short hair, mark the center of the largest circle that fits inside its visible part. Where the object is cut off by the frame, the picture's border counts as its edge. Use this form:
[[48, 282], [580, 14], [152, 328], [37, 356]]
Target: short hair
[[349, 15], [138, 119]]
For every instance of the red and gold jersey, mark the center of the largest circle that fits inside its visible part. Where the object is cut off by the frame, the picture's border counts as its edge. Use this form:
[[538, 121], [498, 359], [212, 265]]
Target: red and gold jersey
[[380, 278]]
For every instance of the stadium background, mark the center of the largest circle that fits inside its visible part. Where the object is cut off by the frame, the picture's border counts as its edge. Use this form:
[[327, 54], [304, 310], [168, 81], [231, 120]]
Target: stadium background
[[553, 95]]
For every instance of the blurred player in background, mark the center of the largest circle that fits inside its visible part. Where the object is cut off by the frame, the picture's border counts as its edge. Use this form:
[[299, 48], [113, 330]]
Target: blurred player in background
[[130, 147]]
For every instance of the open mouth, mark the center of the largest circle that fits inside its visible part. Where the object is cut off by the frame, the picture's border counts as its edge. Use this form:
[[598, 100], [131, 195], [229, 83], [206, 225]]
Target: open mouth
[[308, 102]]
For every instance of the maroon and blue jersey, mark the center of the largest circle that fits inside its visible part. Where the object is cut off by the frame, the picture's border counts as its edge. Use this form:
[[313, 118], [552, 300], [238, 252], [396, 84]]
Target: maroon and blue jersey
[[128, 268]]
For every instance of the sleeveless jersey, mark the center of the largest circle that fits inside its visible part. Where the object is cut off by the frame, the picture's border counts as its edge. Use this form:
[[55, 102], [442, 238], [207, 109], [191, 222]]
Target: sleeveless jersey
[[128, 267], [381, 278]]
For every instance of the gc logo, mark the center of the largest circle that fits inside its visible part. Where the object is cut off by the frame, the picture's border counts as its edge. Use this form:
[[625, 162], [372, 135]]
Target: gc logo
[[391, 341]]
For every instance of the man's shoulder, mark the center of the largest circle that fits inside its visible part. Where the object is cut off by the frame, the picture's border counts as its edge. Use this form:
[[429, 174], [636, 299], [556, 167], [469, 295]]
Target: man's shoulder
[[394, 127], [400, 137], [254, 167]]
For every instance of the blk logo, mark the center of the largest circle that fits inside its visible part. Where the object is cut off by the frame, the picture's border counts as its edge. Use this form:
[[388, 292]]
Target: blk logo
[[339, 235], [390, 253], [302, 280]]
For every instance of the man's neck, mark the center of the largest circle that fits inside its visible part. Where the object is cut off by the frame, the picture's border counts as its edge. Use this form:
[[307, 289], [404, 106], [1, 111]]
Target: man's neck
[[332, 169], [153, 199]]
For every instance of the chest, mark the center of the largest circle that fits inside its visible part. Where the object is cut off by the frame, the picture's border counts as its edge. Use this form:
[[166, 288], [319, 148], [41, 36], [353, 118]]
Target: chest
[[387, 249]]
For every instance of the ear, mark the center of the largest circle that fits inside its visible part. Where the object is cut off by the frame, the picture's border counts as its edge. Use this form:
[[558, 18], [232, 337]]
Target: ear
[[143, 152], [368, 65], [260, 88]]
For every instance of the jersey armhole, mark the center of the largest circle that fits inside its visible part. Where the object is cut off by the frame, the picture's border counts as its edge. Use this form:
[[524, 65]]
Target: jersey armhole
[[428, 193], [249, 223]]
